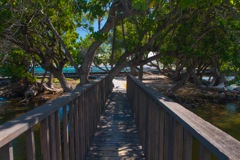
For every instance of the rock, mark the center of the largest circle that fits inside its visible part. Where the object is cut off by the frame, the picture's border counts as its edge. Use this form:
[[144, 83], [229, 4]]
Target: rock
[[238, 97], [237, 89], [31, 92]]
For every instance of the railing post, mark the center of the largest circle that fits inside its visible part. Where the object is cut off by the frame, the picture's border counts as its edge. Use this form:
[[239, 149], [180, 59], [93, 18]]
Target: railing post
[[30, 144], [58, 136], [204, 153], [76, 128], [7, 152], [161, 134], [52, 137], [177, 140], [65, 134], [187, 145], [62, 136], [45, 148], [71, 133]]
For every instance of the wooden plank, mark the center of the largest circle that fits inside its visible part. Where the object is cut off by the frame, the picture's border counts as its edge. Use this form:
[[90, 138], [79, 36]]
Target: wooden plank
[[187, 155], [168, 138], [116, 158], [76, 129], [87, 102], [58, 136], [204, 153], [146, 128], [156, 130], [65, 134], [151, 135], [177, 140], [113, 138], [10, 130], [161, 134], [7, 152], [71, 132], [81, 128], [45, 146], [52, 134], [30, 145], [221, 144]]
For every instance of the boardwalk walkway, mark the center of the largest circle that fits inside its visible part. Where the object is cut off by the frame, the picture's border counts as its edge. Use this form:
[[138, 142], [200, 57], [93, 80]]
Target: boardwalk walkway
[[116, 137]]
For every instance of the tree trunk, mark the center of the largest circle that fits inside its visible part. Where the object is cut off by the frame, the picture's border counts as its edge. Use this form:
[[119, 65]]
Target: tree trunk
[[218, 77], [50, 81], [64, 84], [180, 83], [177, 73], [133, 71], [113, 45], [88, 58], [117, 69], [140, 75], [184, 77]]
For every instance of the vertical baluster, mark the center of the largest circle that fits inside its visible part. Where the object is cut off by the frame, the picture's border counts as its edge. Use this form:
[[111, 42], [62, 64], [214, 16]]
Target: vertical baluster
[[76, 129], [177, 140], [204, 153], [71, 123], [52, 137], [161, 134], [82, 127], [168, 137], [30, 144], [45, 139], [147, 127], [142, 123], [65, 134], [187, 145], [156, 129], [58, 136], [150, 130], [7, 151], [86, 97]]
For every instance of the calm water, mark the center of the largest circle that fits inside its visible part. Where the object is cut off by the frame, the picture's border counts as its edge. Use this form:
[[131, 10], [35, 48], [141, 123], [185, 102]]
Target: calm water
[[226, 117], [70, 69]]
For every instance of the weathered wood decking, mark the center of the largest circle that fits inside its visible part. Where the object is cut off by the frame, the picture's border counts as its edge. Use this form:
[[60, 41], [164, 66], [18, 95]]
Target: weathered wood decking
[[116, 137]]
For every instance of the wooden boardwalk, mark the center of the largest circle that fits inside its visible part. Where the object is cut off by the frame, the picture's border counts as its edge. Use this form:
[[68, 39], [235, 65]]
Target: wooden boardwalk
[[116, 137]]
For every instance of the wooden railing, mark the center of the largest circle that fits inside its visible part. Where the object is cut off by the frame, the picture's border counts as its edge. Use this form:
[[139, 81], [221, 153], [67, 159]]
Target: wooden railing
[[67, 125], [167, 129]]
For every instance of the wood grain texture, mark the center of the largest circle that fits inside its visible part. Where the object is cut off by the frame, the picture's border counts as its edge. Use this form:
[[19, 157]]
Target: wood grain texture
[[12, 129], [65, 134], [30, 145], [187, 155], [58, 136], [74, 131], [6, 152], [116, 137], [45, 144], [52, 136], [216, 141]]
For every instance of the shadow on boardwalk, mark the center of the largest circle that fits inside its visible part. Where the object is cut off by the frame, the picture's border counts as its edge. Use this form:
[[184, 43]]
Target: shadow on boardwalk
[[116, 137]]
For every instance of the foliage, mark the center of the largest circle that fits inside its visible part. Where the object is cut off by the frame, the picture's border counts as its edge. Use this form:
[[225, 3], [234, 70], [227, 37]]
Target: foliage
[[16, 66]]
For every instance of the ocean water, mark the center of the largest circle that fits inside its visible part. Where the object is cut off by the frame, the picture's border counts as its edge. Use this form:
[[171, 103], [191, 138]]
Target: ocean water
[[71, 69]]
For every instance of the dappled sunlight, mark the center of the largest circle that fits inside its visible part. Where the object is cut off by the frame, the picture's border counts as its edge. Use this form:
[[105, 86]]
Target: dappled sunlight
[[117, 136]]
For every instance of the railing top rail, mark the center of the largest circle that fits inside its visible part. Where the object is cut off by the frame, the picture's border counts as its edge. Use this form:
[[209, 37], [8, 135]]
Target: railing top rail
[[217, 141], [12, 129]]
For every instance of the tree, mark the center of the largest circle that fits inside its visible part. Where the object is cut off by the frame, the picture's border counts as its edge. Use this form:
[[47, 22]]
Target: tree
[[43, 30]]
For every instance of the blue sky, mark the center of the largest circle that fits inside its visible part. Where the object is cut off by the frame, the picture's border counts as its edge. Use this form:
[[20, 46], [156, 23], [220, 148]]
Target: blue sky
[[83, 32]]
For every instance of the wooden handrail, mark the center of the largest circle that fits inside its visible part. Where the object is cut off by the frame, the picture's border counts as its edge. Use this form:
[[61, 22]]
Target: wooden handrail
[[167, 129], [68, 134]]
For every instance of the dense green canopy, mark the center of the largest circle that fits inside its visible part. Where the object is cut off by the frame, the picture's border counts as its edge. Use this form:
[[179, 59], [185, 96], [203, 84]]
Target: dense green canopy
[[186, 37]]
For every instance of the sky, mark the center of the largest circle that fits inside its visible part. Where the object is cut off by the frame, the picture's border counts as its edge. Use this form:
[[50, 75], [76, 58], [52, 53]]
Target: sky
[[83, 32]]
